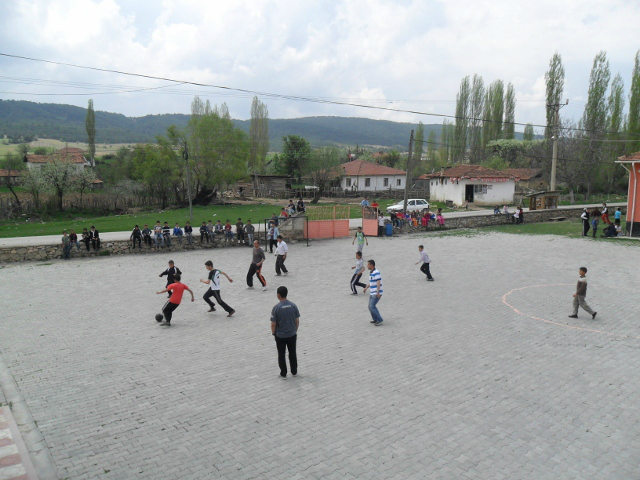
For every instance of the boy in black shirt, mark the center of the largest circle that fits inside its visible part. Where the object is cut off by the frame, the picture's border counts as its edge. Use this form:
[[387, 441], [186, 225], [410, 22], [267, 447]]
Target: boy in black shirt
[[170, 273]]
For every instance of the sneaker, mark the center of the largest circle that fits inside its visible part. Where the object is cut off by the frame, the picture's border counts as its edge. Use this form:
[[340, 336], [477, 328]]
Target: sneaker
[[286, 273], [593, 317], [294, 374], [353, 293], [282, 378], [231, 313], [277, 274], [429, 279], [249, 288], [264, 289], [212, 309], [377, 324], [372, 321], [573, 316], [165, 324]]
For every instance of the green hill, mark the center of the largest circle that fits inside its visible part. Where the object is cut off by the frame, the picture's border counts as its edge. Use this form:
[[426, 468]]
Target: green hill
[[67, 123]]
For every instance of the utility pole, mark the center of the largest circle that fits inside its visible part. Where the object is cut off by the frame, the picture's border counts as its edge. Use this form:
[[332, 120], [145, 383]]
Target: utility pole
[[185, 155], [408, 178], [554, 156]]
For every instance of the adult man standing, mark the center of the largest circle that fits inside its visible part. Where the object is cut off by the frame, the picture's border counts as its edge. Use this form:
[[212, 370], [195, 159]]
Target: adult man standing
[[249, 229], [585, 222], [285, 320], [213, 281], [256, 266], [375, 292], [364, 203], [380, 225], [281, 256]]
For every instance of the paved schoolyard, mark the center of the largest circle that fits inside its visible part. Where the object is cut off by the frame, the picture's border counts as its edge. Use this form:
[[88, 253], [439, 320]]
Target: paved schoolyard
[[477, 375]]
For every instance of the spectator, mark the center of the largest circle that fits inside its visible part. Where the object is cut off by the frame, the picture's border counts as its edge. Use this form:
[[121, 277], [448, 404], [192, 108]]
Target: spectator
[[166, 234], [66, 246], [177, 232], [210, 230], [440, 218], [228, 232], [617, 216], [249, 229], [204, 233], [146, 235], [157, 231], [364, 203], [188, 232], [380, 225], [218, 229], [86, 238], [300, 207], [95, 238], [240, 231], [585, 222], [284, 214], [73, 239], [136, 235]]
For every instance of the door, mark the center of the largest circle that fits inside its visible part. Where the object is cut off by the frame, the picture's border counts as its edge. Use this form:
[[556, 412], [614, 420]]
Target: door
[[468, 193]]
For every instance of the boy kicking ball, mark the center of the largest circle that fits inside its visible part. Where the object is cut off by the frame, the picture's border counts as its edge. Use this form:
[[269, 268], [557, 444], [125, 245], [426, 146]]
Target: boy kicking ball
[[177, 289]]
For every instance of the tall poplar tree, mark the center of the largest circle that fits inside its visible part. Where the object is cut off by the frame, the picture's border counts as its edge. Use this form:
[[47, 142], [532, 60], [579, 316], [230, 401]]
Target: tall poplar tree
[[554, 79], [594, 118], [258, 135], [633, 118], [476, 107], [90, 125], [462, 121], [509, 112]]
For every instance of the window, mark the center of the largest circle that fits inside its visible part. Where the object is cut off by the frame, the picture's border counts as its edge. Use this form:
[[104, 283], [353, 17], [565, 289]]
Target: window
[[367, 182], [348, 181], [398, 182], [479, 189], [386, 182]]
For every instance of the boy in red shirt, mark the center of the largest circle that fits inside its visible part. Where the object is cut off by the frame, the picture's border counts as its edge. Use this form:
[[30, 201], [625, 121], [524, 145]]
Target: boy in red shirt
[[177, 289]]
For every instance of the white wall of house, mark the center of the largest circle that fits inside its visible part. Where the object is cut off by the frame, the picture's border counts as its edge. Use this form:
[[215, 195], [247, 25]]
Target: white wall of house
[[442, 190], [37, 166], [376, 183]]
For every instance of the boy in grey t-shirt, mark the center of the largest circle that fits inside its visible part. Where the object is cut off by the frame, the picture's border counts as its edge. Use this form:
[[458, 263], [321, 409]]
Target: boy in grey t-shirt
[[355, 279], [285, 320]]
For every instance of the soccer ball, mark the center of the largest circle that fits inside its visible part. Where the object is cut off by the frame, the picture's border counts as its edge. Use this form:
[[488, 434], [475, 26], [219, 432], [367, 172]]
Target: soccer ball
[[159, 317]]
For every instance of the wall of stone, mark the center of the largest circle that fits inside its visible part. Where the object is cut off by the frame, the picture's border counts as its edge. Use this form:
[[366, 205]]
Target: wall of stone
[[291, 234]]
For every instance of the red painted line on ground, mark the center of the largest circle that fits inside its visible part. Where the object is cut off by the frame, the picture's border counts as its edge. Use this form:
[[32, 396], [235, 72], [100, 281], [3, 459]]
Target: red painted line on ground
[[574, 327]]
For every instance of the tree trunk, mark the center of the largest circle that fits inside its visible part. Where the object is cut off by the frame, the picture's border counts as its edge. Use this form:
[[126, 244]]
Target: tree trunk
[[14, 195]]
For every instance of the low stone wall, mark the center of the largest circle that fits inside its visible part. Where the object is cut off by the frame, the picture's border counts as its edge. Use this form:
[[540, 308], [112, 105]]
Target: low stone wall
[[478, 221]]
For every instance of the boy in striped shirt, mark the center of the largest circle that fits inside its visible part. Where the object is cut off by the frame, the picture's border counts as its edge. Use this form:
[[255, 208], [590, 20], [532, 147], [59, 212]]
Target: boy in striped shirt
[[375, 292]]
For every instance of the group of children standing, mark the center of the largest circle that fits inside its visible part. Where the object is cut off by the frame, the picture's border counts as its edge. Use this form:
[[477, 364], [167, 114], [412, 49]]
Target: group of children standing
[[591, 219], [416, 219]]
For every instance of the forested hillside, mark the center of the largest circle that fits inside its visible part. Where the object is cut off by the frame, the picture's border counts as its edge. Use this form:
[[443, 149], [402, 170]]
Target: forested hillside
[[67, 123]]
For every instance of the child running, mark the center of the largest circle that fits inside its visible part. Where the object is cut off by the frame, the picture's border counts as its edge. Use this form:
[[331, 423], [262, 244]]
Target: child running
[[214, 290], [355, 279], [426, 261], [177, 290], [171, 272]]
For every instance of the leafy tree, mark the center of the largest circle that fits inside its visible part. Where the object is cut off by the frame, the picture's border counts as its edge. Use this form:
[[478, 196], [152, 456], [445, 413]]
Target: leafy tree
[[509, 112], [33, 181], [594, 118], [612, 172], [392, 158], [528, 132], [633, 119], [83, 181], [60, 176], [554, 79], [418, 143], [296, 152], [462, 121], [157, 167], [476, 106], [258, 135], [12, 162], [90, 125], [494, 108], [323, 168]]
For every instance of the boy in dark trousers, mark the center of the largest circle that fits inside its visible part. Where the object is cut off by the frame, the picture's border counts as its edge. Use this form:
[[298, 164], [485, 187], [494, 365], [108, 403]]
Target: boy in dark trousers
[[426, 261], [171, 272], [214, 288], [581, 293], [175, 297]]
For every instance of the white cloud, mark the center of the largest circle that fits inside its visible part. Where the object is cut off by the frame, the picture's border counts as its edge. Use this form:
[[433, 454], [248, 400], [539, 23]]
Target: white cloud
[[409, 52]]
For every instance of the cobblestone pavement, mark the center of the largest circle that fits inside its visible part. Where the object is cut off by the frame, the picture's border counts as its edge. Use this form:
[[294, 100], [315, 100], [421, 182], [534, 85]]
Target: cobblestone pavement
[[477, 375]]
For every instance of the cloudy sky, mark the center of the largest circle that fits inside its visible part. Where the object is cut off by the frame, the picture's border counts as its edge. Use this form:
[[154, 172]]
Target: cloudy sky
[[406, 55]]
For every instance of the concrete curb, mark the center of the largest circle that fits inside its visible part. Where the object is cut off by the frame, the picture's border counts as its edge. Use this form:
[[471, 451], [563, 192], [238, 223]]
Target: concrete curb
[[31, 435]]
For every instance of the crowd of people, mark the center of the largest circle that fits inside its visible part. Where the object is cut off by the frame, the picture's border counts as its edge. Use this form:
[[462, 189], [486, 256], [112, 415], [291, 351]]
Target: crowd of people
[[90, 238], [592, 218]]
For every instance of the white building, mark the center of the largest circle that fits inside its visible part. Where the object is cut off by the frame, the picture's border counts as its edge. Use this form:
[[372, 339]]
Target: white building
[[370, 177], [72, 155], [473, 184]]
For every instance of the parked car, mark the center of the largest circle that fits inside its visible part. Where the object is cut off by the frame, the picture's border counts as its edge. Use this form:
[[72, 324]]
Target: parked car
[[413, 205]]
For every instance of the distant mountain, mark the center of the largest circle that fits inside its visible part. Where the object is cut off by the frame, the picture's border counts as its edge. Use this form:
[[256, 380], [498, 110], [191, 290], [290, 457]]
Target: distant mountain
[[67, 123]]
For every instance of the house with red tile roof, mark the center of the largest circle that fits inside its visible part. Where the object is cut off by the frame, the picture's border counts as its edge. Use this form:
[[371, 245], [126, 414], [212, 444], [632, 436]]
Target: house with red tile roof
[[370, 177], [10, 177], [631, 164], [528, 178], [73, 155], [473, 184]]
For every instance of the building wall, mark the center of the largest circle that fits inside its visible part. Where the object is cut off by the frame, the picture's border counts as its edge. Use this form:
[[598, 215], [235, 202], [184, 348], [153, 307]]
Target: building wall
[[376, 183], [498, 192]]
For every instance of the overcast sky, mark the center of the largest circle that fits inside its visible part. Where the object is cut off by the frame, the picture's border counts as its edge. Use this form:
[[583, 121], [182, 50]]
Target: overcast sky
[[398, 54]]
